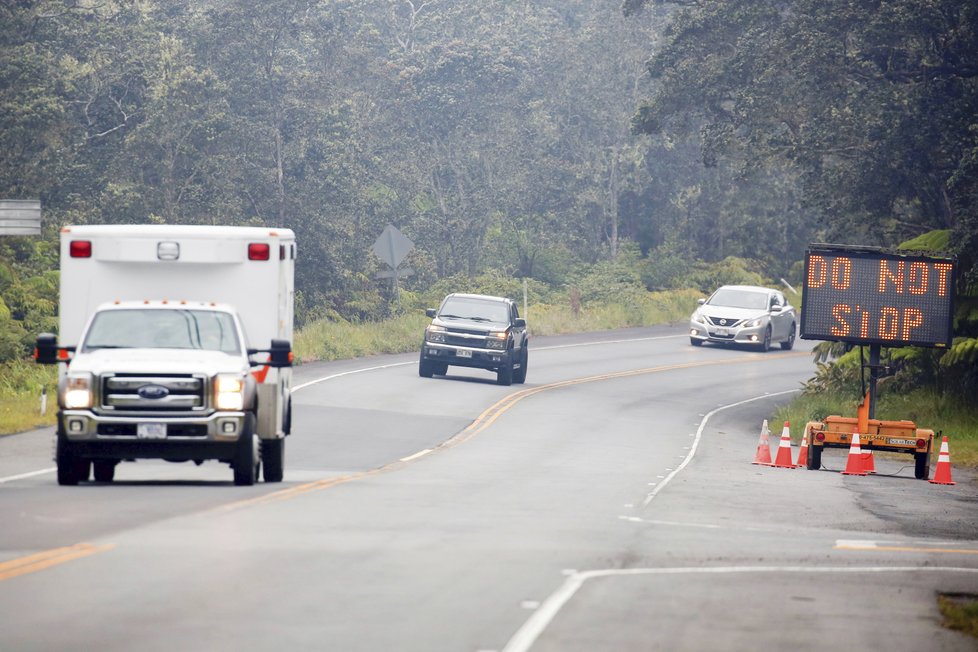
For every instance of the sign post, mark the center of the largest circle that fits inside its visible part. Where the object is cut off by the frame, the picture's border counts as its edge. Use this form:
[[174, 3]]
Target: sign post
[[866, 296]]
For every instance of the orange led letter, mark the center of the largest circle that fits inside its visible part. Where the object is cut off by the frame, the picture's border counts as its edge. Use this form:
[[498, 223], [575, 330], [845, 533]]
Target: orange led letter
[[816, 272], [887, 275], [839, 311], [889, 323], [912, 318]]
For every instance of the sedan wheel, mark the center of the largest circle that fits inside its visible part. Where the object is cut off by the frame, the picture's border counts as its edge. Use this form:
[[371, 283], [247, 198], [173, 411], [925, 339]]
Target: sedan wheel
[[790, 342]]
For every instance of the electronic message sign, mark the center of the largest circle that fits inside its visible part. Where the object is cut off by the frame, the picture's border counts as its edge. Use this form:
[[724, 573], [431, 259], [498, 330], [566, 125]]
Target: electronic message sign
[[866, 296]]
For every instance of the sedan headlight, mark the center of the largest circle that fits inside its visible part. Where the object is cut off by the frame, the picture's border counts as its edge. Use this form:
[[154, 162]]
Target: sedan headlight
[[698, 318], [229, 392], [78, 391], [497, 340], [435, 334], [754, 323]]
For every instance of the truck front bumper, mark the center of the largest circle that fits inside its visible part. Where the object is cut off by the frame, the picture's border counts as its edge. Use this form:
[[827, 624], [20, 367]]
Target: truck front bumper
[[463, 356]]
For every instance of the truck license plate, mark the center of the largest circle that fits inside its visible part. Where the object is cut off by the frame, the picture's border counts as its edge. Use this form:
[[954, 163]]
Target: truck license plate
[[463, 353], [151, 430]]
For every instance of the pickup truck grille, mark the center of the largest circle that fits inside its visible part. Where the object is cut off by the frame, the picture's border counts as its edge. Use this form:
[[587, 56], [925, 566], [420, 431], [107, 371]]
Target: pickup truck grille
[[153, 393], [460, 338]]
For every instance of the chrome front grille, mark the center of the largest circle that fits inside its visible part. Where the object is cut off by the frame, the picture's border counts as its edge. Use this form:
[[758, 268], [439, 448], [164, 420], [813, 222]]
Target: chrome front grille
[[727, 322], [153, 393], [461, 338]]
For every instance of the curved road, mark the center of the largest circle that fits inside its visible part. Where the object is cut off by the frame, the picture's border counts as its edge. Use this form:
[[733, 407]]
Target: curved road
[[608, 504]]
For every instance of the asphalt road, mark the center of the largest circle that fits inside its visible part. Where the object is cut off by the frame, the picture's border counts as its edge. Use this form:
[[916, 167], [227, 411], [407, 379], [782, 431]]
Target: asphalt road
[[608, 504]]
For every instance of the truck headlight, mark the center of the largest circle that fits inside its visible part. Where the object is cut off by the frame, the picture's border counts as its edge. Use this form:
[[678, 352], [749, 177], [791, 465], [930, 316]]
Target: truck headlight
[[78, 391], [435, 334], [497, 340], [229, 392]]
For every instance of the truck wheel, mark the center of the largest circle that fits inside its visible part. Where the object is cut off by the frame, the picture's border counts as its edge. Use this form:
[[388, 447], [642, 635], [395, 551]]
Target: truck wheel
[[273, 459], [104, 470], [519, 376], [287, 427], [814, 458], [504, 375], [71, 468], [425, 369], [921, 469], [441, 369], [246, 460]]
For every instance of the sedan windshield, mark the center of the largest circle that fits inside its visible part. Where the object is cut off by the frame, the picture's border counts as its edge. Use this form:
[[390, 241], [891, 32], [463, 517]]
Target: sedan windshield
[[209, 330], [475, 309], [730, 298]]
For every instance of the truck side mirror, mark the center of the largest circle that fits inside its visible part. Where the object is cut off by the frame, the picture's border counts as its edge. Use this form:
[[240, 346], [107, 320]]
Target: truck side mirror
[[46, 349], [520, 322], [280, 354], [430, 312]]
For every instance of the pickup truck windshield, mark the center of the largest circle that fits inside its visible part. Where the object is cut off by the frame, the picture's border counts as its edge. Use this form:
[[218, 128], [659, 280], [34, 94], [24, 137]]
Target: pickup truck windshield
[[209, 330], [475, 309]]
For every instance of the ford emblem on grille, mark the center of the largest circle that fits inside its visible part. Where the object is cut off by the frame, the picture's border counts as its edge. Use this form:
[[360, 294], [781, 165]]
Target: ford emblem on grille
[[153, 391]]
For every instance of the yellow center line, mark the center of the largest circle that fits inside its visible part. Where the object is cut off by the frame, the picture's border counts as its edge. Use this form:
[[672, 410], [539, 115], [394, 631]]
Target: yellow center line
[[483, 421], [959, 551], [48, 558]]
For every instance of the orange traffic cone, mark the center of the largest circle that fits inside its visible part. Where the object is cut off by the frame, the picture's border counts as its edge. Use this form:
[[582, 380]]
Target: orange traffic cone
[[803, 451], [854, 465], [763, 455], [942, 474], [783, 459], [869, 465]]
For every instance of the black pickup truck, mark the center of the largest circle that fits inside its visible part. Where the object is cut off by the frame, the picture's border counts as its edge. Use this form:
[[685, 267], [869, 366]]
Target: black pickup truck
[[476, 330]]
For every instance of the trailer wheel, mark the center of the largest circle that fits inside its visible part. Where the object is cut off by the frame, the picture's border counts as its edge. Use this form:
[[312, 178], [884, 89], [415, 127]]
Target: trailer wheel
[[814, 458], [273, 459], [921, 469], [246, 459]]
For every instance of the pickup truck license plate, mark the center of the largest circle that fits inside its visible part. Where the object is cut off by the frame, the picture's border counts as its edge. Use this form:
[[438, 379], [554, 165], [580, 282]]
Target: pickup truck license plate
[[151, 430], [902, 442], [463, 353]]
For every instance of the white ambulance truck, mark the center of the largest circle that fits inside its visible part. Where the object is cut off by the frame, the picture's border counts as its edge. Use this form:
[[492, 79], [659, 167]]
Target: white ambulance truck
[[175, 344]]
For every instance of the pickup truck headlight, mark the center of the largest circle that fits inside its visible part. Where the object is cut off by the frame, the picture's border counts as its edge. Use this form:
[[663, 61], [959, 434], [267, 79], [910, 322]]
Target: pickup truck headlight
[[78, 391], [497, 340], [435, 334], [229, 392]]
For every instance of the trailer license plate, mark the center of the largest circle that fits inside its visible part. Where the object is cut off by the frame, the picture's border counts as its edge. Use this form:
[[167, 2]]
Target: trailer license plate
[[463, 353], [151, 430], [902, 442]]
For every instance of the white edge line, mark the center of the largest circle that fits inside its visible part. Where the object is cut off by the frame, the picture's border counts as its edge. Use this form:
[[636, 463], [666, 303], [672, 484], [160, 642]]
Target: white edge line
[[11, 478], [376, 368], [535, 625], [699, 435], [539, 621], [410, 458], [539, 348]]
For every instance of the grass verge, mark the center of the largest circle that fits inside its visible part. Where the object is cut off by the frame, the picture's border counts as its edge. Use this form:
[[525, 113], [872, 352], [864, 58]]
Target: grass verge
[[960, 612]]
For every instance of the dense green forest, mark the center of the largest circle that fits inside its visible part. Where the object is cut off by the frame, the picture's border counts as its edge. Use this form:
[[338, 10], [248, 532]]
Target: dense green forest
[[535, 139]]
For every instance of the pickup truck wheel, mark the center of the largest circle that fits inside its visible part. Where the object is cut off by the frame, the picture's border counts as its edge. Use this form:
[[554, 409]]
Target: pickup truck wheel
[[519, 376], [273, 459], [246, 460], [425, 369], [441, 369], [814, 458], [104, 470], [921, 469], [504, 375], [71, 468]]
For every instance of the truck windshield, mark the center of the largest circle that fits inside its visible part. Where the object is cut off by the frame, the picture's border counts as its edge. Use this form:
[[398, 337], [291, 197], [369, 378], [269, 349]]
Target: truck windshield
[[474, 309], [208, 330]]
